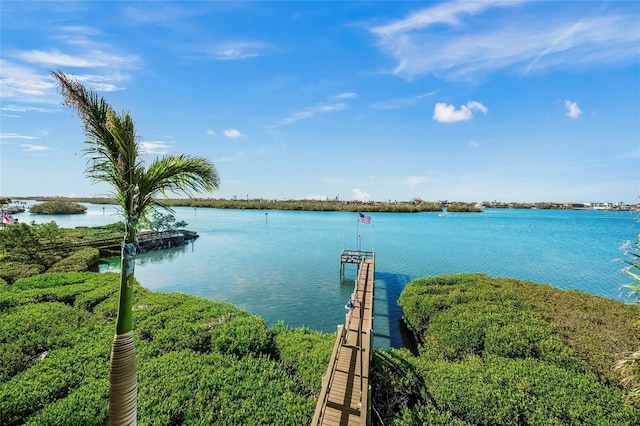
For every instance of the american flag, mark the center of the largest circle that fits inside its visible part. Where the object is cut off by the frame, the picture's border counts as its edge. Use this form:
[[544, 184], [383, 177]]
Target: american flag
[[6, 219], [364, 219]]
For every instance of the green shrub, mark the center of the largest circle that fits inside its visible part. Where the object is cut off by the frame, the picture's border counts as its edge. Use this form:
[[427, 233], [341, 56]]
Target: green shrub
[[53, 280], [29, 331], [305, 354], [79, 261], [503, 351], [88, 405], [59, 373], [10, 272], [58, 207], [55, 287], [242, 336], [501, 391], [218, 389]]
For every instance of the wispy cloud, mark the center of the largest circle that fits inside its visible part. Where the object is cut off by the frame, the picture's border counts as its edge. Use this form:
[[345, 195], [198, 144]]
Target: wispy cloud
[[17, 108], [25, 73], [573, 110], [155, 147], [20, 82], [233, 133], [473, 144], [449, 114], [402, 103], [210, 132], [236, 50], [310, 112], [347, 95], [453, 40], [34, 148], [88, 59], [16, 136]]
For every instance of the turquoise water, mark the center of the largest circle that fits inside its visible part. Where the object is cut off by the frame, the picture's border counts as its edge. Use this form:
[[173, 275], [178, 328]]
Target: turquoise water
[[285, 265]]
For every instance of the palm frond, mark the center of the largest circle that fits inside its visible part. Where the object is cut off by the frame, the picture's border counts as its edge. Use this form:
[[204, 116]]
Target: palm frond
[[176, 173]]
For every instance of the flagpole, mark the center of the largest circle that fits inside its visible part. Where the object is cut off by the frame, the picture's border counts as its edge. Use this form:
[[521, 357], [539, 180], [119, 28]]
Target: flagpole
[[358, 232]]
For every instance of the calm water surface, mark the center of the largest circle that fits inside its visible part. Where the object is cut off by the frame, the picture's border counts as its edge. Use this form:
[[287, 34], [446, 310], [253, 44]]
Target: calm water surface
[[285, 265]]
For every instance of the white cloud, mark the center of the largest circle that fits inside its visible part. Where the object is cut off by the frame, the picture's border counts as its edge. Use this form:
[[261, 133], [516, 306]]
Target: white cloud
[[232, 133], [15, 136], [310, 112], [473, 144], [22, 82], [573, 110], [210, 132], [360, 195], [34, 148], [412, 181], [232, 51], [91, 59], [461, 40], [155, 147], [445, 13], [347, 95], [449, 114], [16, 108]]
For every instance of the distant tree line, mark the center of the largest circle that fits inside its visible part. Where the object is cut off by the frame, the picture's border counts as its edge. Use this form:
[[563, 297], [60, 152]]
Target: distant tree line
[[415, 205]]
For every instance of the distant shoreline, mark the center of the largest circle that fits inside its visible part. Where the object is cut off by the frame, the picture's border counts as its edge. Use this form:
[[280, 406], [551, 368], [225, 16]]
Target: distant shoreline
[[414, 206]]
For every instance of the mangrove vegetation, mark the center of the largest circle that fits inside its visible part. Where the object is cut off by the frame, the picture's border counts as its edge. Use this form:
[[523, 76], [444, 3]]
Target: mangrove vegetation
[[58, 207]]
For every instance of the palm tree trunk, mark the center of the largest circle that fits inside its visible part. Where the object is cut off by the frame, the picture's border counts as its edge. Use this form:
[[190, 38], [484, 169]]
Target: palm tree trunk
[[123, 376]]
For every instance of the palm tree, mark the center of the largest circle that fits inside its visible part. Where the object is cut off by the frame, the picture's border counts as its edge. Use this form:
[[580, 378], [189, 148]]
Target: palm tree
[[114, 158]]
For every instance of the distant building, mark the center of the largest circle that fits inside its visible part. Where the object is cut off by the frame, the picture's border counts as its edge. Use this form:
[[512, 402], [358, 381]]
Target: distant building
[[599, 205], [572, 205]]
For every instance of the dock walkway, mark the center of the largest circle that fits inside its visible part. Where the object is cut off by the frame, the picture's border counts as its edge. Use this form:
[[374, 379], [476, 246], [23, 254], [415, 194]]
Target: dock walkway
[[344, 399]]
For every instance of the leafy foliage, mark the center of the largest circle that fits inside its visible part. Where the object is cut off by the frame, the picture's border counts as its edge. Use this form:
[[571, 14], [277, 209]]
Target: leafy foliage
[[81, 260], [164, 221], [13, 271], [202, 362], [24, 243], [508, 352], [58, 207], [302, 350]]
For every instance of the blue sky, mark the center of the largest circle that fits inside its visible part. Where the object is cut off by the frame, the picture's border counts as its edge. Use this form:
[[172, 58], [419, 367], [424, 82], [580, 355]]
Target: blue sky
[[469, 101]]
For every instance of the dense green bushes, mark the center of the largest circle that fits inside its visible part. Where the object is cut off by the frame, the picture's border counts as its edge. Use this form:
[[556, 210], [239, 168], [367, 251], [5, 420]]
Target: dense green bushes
[[81, 260], [506, 352], [32, 249], [200, 362], [463, 207], [302, 350], [493, 352], [58, 207]]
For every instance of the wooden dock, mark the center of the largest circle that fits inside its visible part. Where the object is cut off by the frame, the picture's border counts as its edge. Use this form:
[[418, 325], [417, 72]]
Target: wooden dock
[[345, 397]]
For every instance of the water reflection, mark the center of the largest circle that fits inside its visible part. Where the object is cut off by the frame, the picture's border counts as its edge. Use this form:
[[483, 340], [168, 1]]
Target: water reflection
[[112, 264]]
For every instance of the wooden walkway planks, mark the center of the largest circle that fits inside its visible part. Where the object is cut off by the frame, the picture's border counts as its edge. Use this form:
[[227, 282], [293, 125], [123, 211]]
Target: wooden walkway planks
[[344, 399]]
